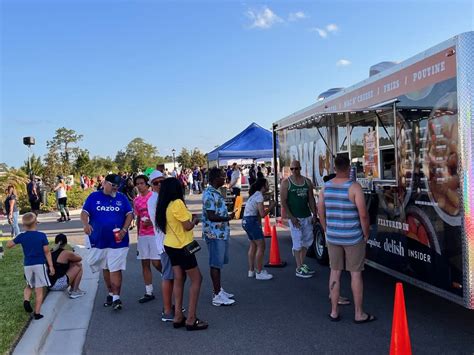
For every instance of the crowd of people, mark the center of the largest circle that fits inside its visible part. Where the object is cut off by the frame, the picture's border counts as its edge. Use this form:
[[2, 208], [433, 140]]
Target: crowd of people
[[166, 242]]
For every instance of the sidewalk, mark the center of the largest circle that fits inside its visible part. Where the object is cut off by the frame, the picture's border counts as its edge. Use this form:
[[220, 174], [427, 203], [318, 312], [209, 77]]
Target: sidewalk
[[65, 321]]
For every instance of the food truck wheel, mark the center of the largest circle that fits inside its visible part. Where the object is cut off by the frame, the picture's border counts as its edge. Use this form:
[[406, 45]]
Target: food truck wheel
[[319, 246]]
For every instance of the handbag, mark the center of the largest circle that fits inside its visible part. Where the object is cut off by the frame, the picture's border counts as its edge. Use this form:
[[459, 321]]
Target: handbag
[[192, 248]]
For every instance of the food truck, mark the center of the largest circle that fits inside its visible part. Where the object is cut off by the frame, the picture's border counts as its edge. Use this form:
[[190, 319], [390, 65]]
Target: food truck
[[409, 134]]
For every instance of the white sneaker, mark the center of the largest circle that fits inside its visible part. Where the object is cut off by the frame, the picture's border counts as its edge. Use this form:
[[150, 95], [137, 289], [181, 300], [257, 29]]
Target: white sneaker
[[263, 275], [251, 274], [75, 294], [221, 300], [227, 294]]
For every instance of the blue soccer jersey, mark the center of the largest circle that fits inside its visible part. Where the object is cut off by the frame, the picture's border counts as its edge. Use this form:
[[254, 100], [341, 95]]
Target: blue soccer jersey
[[105, 214]]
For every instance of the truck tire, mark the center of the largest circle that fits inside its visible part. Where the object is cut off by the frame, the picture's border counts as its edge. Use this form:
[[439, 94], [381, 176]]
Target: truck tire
[[319, 246]]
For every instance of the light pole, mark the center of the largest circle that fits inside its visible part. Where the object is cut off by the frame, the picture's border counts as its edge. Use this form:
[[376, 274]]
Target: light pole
[[173, 151], [29, 141]]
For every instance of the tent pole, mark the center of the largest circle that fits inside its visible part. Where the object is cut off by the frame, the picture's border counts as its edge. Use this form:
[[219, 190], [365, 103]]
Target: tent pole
[[275, 167]]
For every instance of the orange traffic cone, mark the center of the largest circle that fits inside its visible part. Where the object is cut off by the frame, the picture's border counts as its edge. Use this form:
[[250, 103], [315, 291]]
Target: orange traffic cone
[[400, 343], [267, 232], [275, 260]]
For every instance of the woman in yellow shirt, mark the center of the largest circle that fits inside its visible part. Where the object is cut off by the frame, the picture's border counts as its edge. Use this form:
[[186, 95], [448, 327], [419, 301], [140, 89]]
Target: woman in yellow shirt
[[175, 220]]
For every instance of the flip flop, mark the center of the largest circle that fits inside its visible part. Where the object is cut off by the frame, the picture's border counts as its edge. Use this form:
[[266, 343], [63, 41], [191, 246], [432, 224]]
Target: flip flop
[[334, 319], [179, 324], [197, 325], [344, 301], [370, 318]]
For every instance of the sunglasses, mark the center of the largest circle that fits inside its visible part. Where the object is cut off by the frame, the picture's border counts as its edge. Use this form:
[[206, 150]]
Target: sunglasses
[[156, 183], [113, 185], [296, 168]]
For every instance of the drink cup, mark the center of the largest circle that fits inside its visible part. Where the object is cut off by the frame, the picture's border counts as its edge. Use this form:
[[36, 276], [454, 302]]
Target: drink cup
[[117, 235]]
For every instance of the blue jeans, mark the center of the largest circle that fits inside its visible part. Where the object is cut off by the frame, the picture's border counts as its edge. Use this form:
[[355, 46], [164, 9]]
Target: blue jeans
[[14, 225]]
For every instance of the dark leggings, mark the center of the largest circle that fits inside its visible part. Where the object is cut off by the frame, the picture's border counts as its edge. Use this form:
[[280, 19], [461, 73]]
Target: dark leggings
[[62, 204]]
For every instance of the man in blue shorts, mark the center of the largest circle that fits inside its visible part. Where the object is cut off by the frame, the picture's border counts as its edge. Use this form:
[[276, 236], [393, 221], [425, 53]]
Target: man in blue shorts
[[216, 232], [106, 217]]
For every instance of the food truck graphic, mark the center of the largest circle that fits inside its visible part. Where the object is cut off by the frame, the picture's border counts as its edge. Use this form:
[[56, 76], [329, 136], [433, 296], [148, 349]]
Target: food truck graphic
[[409, 134]]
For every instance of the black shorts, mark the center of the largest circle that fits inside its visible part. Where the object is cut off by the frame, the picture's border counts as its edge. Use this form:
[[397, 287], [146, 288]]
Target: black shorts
[[236, 191], [178, 257]]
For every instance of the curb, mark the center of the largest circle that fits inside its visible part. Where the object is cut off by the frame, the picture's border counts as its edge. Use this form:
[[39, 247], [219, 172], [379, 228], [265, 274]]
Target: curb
[[69, 317]]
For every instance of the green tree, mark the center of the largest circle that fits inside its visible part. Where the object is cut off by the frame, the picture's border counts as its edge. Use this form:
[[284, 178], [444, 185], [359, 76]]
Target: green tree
[[138, 155], [102, 166], [37, 166], [198, 158], [62, 144], [53, 168], [184, 159], [83, 163]]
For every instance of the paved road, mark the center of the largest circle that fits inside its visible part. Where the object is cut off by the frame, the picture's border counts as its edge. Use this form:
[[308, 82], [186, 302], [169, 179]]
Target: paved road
[[284, 315]]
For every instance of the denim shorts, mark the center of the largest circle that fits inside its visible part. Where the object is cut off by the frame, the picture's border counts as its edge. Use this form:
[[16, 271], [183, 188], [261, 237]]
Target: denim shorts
[[166, 268], [218, 252], [251, 224]]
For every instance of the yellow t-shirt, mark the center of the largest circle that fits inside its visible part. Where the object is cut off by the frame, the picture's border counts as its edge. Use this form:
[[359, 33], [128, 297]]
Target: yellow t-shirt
[[176, 236]]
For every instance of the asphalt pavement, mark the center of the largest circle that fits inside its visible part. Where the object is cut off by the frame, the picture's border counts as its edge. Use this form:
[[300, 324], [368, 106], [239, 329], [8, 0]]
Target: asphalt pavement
[[281, 316]]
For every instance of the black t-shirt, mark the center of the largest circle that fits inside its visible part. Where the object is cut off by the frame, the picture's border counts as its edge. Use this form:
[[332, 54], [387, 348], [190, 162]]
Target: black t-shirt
[[31, 187]]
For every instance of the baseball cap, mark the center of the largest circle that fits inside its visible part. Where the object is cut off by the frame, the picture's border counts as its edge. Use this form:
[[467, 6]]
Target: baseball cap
[[155, 174], [113, 178]]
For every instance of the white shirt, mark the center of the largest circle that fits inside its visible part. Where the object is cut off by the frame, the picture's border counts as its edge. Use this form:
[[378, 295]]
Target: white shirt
[[251, 206], [61, 192], [151, 204], [190, 178], [235, 180]]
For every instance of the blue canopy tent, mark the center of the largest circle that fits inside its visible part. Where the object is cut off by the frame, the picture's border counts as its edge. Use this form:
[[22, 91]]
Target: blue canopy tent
[[254, 142]]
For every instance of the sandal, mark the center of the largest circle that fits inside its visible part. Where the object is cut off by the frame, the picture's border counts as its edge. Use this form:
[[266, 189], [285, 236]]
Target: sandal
[[370, 318], [180, 324], [343, 301], [334, 319], [197, 325]]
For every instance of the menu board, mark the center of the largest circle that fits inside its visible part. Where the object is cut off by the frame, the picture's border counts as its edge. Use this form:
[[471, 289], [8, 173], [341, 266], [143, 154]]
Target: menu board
[[371, 155]]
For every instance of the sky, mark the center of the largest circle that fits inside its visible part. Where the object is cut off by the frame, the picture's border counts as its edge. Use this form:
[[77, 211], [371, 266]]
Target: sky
[[192, 74]]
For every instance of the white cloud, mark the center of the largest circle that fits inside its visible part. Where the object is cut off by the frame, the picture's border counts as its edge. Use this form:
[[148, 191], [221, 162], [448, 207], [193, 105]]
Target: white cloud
[[343, 63], [295, 16], [322, 33], [264, 18], [332, 28]]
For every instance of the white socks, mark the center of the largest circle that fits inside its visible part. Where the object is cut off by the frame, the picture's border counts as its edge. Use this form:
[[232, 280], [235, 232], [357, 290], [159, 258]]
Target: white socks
[[115, 298], [149, 289]]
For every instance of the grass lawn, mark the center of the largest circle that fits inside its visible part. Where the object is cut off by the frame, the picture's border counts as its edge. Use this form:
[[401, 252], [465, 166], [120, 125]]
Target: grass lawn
[[12, 315]]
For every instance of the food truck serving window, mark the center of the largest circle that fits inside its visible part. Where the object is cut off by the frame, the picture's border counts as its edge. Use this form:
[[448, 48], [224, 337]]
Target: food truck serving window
[[363, 143], [372, 144]]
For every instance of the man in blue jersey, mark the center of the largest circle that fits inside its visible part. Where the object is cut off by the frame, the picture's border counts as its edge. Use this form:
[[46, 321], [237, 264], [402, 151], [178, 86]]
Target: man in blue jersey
[[106, 217], [345, 221]]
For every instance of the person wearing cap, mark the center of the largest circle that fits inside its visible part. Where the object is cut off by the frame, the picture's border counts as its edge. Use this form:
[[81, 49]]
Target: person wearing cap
[[106, 217], [167, 277], [147, 249]]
